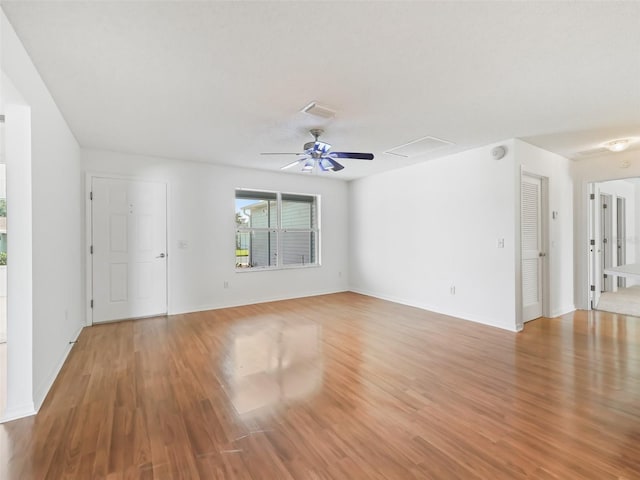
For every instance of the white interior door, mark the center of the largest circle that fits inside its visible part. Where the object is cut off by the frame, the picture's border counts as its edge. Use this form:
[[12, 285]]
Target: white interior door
[[621, 236], [532, 250], [606, 239], [595, 259], [129, 243]]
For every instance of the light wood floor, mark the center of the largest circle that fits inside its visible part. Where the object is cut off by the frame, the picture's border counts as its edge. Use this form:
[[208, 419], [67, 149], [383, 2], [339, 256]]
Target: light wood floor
[[338, 387]]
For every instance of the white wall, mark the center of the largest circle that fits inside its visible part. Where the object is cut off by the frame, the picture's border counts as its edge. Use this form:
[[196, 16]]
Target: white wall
[[56, 219], [610, 166], [559, 248], [19, 400], [201, 212], [418, 231]]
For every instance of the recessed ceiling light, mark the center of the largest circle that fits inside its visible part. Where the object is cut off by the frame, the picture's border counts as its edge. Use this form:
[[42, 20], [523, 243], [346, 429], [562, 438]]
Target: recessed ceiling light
[[618, 145]]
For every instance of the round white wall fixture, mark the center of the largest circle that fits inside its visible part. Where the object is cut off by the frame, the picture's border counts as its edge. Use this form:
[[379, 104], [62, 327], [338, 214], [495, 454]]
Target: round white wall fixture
[[499, 152]]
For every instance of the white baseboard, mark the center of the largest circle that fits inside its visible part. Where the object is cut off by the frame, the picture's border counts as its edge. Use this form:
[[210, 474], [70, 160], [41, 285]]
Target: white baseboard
[[204, 308], [41, 392], [16, 413], [431, 308], [563, 311]]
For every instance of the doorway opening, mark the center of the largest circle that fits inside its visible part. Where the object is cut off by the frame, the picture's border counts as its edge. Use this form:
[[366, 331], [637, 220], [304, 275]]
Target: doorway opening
[[614, 254]]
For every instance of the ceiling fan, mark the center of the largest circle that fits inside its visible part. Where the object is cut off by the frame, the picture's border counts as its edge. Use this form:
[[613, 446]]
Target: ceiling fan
[[319, 154]]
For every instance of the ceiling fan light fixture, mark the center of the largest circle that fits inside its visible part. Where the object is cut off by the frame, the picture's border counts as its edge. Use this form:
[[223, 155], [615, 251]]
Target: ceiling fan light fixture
[[308, 166], [325, 165], [618, 145]]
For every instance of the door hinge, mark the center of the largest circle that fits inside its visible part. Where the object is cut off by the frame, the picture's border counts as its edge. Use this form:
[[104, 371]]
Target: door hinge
[[606, 276], [91, 303], [604, 240], [91, 249], [592, 196], [604, 205], [592, 242], [593, 289], [90, 195]]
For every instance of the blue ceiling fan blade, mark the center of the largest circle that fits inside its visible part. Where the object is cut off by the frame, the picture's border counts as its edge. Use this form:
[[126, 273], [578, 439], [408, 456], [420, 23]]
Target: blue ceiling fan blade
[[336, 166], [321, 147], [292, 164], [357, 156]]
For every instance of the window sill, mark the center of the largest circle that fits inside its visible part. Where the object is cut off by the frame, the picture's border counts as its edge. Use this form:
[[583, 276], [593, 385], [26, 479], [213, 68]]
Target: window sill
[[271, 269]]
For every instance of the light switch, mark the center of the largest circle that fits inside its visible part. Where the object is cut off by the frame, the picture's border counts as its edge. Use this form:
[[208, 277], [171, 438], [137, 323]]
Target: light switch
[[183, 244], [501, 243]]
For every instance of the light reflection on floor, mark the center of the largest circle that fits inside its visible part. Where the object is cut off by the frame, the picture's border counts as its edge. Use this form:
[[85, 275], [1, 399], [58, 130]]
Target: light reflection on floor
[[271, 363]]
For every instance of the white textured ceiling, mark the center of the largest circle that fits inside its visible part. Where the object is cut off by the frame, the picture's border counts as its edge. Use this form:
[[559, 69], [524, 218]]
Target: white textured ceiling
[[221, 82]]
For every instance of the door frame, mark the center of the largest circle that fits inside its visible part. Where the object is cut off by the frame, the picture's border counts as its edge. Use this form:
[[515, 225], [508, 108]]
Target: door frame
[[544, 234], [89, 176], [621, 236], [606, 233], [595, 242]]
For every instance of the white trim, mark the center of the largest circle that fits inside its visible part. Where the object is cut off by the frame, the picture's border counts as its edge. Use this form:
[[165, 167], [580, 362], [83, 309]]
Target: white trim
[[16, 413], [273, 269], [87, 244], [583, 251], [279, 230], [563, 311], [204, 308], [430, 308], [545, 224], [20, 321], [41, 393], [517, 242]]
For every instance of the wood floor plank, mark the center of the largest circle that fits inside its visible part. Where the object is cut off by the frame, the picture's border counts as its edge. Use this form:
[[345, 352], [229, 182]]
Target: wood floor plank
[[339, 386]]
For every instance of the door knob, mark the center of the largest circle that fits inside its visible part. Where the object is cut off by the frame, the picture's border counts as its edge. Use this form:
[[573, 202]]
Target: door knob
[[542, 254], [162, 255]]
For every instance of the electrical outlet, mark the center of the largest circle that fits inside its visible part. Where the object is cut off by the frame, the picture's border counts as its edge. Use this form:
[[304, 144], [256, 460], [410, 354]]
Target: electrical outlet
[[226, 284], [339, 274], [501, 243], [452, 289]]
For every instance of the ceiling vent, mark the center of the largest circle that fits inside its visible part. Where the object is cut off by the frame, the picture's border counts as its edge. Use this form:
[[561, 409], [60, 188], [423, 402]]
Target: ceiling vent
[[318, 110], [418, 147]]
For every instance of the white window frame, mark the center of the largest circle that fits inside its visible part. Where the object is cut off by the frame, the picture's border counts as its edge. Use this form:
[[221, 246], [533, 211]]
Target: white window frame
[[278, 230]]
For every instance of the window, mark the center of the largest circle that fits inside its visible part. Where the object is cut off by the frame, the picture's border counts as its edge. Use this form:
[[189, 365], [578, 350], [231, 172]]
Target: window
[[276, 230]]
